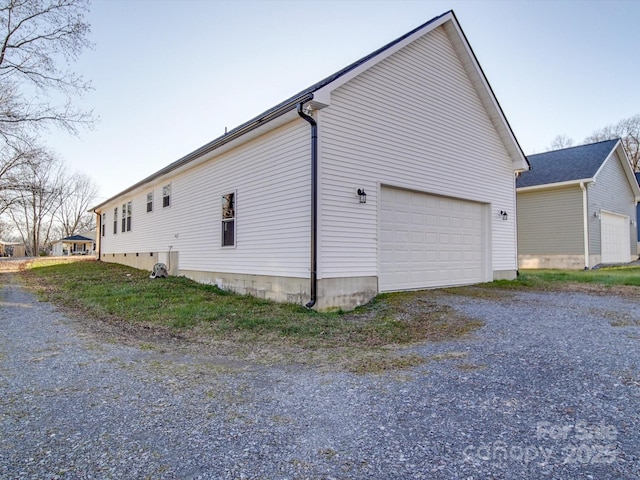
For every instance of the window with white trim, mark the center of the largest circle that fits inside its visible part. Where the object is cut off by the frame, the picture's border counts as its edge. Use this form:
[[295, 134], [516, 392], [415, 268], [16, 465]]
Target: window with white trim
[[115, 220], [166, 196], [229, 220], [149, 202], [103, 224], [126, 217]]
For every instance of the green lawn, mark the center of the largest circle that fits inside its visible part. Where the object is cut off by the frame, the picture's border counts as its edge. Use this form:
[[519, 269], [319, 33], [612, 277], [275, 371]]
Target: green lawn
[[610, 276], [364, 338]]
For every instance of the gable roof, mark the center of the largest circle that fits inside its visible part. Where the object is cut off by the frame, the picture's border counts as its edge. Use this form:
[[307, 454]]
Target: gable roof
[[575, 165], [318, 95], [77, 238], [566, 165]]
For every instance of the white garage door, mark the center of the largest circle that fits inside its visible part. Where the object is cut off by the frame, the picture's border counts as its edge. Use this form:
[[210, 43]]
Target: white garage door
[[430, 241], [615, 245]]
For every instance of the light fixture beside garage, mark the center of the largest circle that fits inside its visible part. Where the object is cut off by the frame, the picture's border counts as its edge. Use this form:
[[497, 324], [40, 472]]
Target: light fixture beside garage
[[362, 195], [504, 215]]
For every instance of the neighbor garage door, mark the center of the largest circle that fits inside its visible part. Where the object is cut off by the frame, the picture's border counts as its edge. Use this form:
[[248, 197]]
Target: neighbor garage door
[[430, 241], [615, 245]]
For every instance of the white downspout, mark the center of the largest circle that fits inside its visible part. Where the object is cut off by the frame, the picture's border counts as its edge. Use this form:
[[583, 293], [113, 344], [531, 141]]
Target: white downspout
[[585, 222]]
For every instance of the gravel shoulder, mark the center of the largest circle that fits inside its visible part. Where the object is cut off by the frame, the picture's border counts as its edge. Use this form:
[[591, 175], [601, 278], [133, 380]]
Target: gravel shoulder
[[549, 388]]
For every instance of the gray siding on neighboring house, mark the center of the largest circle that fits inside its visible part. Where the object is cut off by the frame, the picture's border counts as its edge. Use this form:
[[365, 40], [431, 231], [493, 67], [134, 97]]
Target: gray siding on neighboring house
[[550, 222], [610, 192]]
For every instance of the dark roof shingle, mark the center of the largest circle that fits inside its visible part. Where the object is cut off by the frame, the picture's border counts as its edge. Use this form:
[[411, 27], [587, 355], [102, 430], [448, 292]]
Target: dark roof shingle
[[574, 163]]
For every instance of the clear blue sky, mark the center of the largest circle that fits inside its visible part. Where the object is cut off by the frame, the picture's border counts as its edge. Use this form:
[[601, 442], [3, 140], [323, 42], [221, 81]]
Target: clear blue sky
[[169, 76]]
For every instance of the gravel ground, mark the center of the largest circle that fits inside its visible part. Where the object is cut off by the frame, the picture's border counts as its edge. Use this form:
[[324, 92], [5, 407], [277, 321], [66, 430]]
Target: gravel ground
[[547, 389]]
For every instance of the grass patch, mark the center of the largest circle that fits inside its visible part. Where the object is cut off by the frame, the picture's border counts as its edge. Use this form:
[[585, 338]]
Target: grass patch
[[619, 279], [258, 329], [608, 276]]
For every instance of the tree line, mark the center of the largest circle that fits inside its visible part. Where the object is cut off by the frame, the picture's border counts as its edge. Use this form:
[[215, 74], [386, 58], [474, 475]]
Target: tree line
[[627, 130], [39, 200]]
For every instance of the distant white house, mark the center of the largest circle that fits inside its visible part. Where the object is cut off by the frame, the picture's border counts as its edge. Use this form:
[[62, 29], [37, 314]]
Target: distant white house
[[80, 244], [395, 173]]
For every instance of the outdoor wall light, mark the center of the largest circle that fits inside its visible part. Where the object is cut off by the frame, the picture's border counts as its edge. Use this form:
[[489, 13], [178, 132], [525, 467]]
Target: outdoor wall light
[[504, 215], [363, 195]]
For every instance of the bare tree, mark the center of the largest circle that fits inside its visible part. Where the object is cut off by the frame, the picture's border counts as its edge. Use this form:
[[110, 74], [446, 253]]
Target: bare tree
[[35, 34], [13, 156], [628, 131], [39, 39], [560, 141], [37, 199], [78, 194]]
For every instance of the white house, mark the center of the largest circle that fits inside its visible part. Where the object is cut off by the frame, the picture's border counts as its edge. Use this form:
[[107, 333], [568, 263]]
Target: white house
[[395, 173], [83, 243]]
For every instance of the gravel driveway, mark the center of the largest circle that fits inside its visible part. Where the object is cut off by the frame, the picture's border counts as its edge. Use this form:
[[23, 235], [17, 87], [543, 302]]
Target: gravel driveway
[[547, 389]]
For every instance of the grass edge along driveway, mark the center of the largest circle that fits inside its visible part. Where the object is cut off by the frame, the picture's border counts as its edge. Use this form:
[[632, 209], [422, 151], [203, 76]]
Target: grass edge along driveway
[[366, 340]]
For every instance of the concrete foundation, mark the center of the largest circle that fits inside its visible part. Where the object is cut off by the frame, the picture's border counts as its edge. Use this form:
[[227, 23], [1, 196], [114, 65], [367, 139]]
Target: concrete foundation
[[505, 274], [144, 260], [564, 262], [332, 293]]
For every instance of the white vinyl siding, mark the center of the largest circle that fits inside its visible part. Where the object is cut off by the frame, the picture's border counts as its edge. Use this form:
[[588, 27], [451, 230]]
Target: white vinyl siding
[[611, 192], [271, 174], [550, 222], [413, 121]]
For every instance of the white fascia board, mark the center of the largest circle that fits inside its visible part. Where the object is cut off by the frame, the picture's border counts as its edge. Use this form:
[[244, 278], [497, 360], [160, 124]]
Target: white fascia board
[[545, 186], [322, 96]]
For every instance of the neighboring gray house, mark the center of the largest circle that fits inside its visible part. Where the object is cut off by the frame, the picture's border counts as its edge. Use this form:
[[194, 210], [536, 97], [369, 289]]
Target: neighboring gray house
[[577, 208], [388, 175]]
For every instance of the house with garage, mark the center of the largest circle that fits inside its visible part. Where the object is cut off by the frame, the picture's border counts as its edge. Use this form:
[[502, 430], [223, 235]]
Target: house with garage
[[395, 173], [577, 208]]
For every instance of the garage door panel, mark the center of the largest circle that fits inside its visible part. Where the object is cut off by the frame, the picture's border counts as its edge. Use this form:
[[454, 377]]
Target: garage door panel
[[443, 238]]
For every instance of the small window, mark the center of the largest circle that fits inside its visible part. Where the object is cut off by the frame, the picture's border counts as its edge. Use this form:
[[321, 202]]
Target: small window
[[149, 202], [166, 196], [229, 220], [126, 217], [103, 224], [115, 220]]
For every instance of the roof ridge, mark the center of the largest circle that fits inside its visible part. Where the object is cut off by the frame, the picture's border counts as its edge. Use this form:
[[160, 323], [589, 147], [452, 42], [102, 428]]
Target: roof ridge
[[574, 146]]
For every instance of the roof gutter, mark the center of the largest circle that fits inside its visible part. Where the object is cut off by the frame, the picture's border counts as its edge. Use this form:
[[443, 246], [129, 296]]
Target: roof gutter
[[314, 203], [237, 132]]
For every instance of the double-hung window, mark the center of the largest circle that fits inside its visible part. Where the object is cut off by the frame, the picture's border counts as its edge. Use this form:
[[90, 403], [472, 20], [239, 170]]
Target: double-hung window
[[149, 202], [166, 196], [103, 226], [115, 220], [126, 217], [229, 220]]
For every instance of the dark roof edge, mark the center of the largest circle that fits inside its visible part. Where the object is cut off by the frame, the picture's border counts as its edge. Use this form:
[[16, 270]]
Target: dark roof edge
[[246, 127], [280, 109], [616, 139]]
